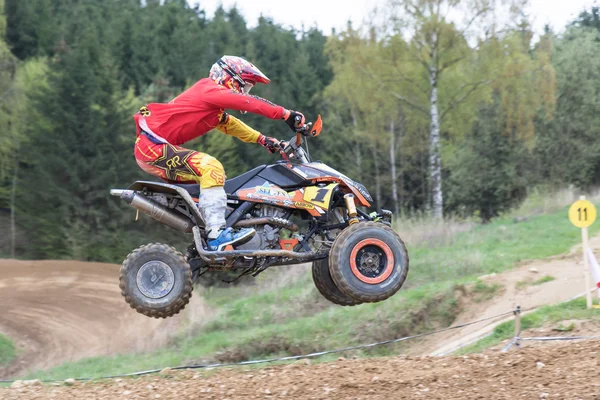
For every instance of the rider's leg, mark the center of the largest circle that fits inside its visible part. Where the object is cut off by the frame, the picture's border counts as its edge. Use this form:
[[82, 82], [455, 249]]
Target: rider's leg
[[174, 163], [213, 203], [213, 199]]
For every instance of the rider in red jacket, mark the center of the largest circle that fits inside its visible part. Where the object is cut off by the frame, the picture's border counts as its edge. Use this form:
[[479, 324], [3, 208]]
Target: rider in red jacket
[[162, 128]]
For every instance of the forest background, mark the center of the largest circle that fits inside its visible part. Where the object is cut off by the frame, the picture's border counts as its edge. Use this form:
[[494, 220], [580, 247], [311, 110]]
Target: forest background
[[440, 107]]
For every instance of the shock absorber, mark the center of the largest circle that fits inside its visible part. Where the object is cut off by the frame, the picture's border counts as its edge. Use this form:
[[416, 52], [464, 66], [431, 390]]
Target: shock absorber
[[349, 199]]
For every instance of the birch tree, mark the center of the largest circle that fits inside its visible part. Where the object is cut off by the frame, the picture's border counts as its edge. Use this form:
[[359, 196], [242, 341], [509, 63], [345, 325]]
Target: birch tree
[[442, 37]]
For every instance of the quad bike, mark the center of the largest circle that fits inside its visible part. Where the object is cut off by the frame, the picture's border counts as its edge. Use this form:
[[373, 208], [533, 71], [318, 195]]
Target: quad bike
[[302, 211]]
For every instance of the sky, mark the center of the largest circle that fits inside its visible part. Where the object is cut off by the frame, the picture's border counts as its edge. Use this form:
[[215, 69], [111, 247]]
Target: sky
[[327, 14]]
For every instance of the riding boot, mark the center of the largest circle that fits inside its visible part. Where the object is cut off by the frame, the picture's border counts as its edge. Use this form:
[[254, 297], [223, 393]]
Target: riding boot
[[213, 205]]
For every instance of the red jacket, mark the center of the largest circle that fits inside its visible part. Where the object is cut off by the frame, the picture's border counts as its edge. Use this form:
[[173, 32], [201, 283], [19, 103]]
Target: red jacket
[[198, 109]]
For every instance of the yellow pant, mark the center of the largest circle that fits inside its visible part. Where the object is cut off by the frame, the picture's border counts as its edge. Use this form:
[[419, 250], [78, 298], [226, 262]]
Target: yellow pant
[[176, 164]]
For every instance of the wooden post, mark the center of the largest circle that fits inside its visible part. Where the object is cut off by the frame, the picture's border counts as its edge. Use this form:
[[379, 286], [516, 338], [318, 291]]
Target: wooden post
[[586, 264], [517, 326], [516, 339]]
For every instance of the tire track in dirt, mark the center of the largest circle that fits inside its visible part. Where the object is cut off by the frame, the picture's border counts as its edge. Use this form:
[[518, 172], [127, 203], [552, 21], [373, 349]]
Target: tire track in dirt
[[59, 311]]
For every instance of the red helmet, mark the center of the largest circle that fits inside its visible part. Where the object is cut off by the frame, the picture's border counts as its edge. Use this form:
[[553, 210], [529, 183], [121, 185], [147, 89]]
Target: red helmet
[[237, 74]]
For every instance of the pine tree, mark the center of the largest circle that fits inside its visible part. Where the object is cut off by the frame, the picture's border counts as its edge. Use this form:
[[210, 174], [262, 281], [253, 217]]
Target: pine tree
[[489, 173], [78, 154], [30, 29], [567, 148]]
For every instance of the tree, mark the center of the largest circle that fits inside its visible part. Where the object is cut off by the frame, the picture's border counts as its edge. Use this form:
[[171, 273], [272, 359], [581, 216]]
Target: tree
[[589, 19], [448, 77], [78, 152], [567, 147], [30, 27], [8, 95], [380, 133], [489, 173]]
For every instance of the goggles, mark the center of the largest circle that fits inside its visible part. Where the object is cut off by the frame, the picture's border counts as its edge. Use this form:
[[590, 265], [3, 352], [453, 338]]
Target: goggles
[[247, 87]]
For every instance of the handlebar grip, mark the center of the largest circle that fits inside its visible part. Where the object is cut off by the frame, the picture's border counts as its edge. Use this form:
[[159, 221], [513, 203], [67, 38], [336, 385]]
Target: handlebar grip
[[305, 130]]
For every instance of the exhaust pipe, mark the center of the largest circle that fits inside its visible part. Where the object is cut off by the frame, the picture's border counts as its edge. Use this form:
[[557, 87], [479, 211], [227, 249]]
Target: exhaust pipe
[[155, 210]]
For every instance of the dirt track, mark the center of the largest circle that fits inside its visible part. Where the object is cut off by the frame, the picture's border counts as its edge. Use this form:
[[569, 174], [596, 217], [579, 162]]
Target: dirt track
[[58, 311], [65, 310], [568, 371]]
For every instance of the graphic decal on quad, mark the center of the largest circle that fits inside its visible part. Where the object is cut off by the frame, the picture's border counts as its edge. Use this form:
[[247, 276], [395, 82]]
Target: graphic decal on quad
[[320, 196], [319, 172], [272, 194], [271, 191]]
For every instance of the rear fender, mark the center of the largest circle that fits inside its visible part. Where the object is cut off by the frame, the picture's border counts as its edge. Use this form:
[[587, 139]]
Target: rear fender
[[159, 187]]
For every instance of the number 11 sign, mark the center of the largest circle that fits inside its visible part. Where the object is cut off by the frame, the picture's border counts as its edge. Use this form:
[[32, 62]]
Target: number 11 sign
[[582, 214]]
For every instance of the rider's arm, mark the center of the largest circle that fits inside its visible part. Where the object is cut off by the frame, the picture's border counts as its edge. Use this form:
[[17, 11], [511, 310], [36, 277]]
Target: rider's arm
[[232, 126], [225, 98]]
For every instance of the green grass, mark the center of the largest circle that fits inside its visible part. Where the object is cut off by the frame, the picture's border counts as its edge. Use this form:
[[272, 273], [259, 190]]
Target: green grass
[[294, 319], [494, 247], [575, 309], [483, 291], [522, 284], [7, 350], [544, 279], [562, 328]]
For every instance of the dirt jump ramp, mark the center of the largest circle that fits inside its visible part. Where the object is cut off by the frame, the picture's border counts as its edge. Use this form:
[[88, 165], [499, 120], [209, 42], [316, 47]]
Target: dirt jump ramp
[[57, 311]]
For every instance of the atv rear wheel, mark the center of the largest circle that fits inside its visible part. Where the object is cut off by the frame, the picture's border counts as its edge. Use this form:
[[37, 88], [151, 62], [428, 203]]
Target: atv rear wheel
[[368, 262], [326, 286], [156, 280]]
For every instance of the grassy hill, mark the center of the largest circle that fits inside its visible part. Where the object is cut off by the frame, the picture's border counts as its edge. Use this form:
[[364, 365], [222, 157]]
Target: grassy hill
[[283, 313], [7, 350]]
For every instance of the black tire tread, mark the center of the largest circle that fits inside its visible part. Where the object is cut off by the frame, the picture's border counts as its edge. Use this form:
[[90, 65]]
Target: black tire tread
[[326, 286], [179, 304], [336, 254]]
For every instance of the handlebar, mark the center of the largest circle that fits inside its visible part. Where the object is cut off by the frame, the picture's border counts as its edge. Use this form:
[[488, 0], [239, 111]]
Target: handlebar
[[305, 129], [289, 149], [297, 122], [310, 129]]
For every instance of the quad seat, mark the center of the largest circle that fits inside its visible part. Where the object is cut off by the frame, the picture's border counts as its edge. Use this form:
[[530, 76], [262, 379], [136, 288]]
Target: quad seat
[[231, 185], [192, 188]]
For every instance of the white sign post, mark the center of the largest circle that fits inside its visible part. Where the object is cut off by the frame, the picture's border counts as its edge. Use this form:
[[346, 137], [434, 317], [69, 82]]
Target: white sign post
[[582, 214], [595, 267]]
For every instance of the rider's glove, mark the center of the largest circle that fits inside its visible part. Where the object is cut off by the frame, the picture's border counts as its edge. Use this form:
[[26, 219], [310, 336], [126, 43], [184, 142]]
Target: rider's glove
[[268, 143], [294, 119]]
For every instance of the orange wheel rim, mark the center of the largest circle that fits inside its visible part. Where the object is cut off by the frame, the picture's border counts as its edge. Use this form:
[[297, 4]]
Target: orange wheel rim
[[365, 260]]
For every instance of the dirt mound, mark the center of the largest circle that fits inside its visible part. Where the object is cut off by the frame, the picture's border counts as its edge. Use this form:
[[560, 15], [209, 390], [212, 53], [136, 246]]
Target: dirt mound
[[563, 371], [58, 311]]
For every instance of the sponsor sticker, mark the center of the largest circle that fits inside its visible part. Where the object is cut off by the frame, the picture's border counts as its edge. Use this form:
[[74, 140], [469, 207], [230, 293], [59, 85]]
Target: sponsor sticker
[[270, 190]]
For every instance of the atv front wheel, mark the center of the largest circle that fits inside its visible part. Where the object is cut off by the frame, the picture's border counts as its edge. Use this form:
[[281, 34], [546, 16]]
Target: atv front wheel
[[368, 262], [326, 286], [156, 280]]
